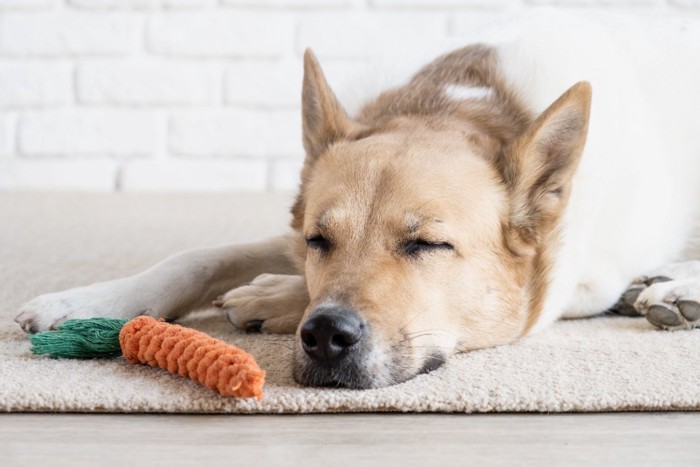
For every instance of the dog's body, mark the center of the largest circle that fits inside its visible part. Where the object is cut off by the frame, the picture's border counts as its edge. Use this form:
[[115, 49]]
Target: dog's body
[[641, 156], [452, 213]]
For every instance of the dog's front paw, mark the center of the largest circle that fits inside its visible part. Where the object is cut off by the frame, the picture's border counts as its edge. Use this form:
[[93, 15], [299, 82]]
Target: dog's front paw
[[105, 299], [626, 306], [272, 303], [668, 297], [671, 305], [46, 311]]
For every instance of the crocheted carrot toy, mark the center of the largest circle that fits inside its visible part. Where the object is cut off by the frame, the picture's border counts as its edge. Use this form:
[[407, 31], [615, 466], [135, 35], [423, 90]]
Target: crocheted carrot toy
[[183, 351]]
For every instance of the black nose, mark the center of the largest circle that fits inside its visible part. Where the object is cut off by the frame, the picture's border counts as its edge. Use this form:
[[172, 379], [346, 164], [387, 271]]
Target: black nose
[[330, 333]]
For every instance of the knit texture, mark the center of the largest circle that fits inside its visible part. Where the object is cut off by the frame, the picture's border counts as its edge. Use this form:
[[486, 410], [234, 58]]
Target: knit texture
[[221, 367], [56, 241]]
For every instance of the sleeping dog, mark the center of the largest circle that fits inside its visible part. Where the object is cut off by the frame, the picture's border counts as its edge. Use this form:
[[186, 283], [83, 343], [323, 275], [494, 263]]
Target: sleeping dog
[[499, 188]]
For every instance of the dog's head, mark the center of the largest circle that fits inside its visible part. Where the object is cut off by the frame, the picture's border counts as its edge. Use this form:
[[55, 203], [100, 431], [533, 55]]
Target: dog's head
[[423, 236]]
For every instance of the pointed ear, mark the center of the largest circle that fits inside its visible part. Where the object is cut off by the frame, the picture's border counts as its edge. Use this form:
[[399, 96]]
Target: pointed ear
[[539, 165], [324, 120]]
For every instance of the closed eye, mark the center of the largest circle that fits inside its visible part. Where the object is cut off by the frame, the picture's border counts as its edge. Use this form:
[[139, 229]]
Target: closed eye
[[318, 242], [420, 246]]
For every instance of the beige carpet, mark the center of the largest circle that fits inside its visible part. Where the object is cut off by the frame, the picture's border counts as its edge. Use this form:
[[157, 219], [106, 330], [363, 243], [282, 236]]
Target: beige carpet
[[51, 242]]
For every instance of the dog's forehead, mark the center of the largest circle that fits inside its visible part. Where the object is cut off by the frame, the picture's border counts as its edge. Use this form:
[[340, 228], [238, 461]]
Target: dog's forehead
[[407, 186], [399, 161]]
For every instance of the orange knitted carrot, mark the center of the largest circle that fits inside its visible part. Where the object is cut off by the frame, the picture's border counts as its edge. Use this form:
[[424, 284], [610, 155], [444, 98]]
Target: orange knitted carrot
[[213, 363]]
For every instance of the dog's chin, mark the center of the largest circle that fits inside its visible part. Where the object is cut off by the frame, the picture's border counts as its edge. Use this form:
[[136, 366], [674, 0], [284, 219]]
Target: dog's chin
[[356, 373], [311, 373]]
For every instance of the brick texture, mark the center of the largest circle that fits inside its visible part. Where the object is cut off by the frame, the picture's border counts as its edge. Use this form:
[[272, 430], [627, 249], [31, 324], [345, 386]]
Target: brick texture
[[27, 4], [282, 86], [68, 33], [201, 95], [87, 133], [151, 83], [35, 84], [220, 34], [441, 3], [114, 4], [6, 133], [221, 133], [686, 3], [212, 175], [357, 35], [310, 4], [284, 174]]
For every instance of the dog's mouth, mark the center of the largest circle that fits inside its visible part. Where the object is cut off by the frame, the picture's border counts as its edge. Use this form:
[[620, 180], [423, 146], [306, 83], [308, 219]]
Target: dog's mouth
[[433, 362], [340, 376], [358, 372]]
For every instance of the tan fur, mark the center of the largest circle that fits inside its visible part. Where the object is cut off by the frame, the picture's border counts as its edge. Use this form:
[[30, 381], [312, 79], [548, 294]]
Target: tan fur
[[483, 175]]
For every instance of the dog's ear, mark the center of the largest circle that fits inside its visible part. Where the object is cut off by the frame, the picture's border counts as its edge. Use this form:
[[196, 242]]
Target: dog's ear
[[323, 123], [539, 164], [324, 120]]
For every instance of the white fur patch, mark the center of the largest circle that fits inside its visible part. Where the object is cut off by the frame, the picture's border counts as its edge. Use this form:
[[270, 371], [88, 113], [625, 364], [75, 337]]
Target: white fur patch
[[458, 92]]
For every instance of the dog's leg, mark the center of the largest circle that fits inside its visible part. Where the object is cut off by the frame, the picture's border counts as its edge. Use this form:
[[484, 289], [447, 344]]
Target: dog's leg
[[271, 303], [669, 297], [169, 289]]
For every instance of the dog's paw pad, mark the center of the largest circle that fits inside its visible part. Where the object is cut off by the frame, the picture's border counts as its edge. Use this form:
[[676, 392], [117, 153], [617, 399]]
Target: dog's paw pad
[[663, 317], [671, 304], [669, 297], [625, 306], [656, 279], [689, 309]]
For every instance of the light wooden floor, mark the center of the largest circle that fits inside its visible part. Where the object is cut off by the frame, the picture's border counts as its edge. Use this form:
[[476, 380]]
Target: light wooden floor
[[660, 439]]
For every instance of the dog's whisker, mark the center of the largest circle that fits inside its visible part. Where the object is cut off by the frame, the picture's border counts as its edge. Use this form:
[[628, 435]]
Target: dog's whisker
[[412, 319], [429, 330], [278, 343], [410, 339], [424, 333]]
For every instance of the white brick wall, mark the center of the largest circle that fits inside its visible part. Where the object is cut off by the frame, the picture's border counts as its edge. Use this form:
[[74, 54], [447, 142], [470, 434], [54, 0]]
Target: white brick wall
[[39, 84], [61, 33], [220, 34], [153, 82], [6, 134], [196, 95], [116, 133], [356, 34]]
